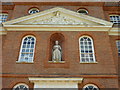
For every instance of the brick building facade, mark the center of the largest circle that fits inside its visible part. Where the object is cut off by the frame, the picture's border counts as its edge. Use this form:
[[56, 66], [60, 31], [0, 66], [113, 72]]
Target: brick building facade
[[74, 25]]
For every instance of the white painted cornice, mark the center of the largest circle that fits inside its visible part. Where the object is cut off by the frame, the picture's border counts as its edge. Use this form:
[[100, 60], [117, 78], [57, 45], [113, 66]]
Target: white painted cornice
[[55, 28], [2, 31], [114, 31]]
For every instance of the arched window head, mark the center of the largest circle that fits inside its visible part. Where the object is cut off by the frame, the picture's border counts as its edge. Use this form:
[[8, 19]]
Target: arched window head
[[86, 49], [90, 87], [82, 11], [21, 86], [27, 49], [33, 10], [115, 19]]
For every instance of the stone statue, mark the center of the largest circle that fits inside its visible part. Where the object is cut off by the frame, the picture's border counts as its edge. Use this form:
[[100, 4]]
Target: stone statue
[[56, 52], [57, 13]]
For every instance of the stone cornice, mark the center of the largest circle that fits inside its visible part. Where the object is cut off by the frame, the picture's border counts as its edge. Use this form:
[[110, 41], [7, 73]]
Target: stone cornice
[[114, 31], [55, 28]]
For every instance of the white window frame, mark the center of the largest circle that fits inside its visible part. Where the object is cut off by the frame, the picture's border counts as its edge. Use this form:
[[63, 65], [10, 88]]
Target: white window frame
[[5, 19], [114, 21], [93, 52], [118, 47], [21, 84], [33, 9], [90, 85], [82, 10], [19, 60]]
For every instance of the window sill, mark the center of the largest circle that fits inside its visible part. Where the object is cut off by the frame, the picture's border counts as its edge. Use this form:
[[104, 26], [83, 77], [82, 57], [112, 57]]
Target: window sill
[[88, 62], [56, 62], [18, 62]]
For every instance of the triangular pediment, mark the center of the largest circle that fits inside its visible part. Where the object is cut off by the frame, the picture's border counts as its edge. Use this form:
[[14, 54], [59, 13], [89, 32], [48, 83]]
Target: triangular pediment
[[58, 16]]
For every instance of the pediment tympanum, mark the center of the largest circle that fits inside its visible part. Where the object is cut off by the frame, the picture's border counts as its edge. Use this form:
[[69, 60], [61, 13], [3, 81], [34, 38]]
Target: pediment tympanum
[[56, 18]]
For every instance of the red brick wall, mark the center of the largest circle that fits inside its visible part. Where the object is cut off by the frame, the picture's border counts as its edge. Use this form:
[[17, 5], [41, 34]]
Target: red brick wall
[[103, 83], [99, 82], [111, 11], [21, 10], [11, 82], [115, 53], [105, 51], [113, 40], [103, 55]]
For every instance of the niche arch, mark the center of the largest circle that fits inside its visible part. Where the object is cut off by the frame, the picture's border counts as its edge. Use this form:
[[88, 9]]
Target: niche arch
[[61, 39]]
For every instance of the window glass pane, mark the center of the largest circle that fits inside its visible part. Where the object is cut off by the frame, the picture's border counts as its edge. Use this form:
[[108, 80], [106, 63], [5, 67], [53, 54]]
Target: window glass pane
[[85, 38], [31, 54], [23, 50], [90, 87], [118, 46], [91, 59], [28, 46], [28, 42], [90, 51], [24, 46], [27, 49], [115, 19], [90, 47], [82, 47], [3, 17], [81, 39], [33, 10], [89, 39], [82, 51], [32, 43], [95, 89], [31, 50], [83, 59], [21, 87], [24, 42], [26, 39], [86, 50], [81, 42], [82, 11], [29, 38], [32, 46], [86, 89], [89, 43], [85, 43]]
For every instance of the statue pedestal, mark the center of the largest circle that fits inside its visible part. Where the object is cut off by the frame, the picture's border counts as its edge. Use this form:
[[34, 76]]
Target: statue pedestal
[[56, 62]]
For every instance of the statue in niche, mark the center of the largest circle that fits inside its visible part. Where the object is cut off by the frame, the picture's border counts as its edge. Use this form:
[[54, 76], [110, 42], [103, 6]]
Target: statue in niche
[[56, 52]]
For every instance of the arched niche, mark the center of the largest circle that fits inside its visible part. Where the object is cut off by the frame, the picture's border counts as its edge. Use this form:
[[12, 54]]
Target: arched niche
[[60, 38]]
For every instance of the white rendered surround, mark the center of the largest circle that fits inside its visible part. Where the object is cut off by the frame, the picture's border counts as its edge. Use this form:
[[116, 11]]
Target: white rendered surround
[[56, 82]]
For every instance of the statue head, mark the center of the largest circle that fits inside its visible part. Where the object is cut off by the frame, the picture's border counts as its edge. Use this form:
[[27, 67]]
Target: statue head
[[56, 42]]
